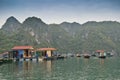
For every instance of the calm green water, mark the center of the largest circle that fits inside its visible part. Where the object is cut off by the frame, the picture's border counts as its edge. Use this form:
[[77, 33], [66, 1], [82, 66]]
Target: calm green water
[[67, 69]]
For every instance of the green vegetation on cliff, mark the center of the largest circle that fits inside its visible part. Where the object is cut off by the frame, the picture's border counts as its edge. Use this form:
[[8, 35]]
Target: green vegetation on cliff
[[66, 37]]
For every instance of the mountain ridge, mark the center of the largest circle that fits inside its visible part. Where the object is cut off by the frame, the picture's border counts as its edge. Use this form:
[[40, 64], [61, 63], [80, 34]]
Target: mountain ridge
[[59, 23], [66, 37]]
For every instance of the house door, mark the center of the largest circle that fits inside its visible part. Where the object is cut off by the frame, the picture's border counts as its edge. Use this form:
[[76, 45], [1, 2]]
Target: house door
[[26, 53]]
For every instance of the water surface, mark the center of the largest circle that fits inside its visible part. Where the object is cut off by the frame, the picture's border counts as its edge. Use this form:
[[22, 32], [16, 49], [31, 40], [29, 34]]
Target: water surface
[[67, 69]]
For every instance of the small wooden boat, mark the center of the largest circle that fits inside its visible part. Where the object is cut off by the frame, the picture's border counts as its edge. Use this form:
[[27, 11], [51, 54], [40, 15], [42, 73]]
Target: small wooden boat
[[103, 57], [60, 57], [72, 55], [78, 55], [86, 56], [48, 58], [93, 55]]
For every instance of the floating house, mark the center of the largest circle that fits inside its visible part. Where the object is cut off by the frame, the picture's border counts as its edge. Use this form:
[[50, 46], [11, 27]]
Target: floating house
[[7, 55], [98, 52], [22, 52], [47, 53], [101, 53]]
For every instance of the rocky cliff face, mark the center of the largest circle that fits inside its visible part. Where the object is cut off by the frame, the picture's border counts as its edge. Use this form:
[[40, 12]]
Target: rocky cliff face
[[12, 25], [66, 37]]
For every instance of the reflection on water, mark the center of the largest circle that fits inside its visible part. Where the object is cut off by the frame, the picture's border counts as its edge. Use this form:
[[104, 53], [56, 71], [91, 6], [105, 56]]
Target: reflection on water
[[68, 69], [28, 68], [48, 65], [101, 61], [27, 65]]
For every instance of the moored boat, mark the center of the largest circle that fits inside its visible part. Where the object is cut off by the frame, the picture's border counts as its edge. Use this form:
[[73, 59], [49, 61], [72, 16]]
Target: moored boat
[[48, 58], [60, 57], [78, 55], [86, 55], [102, 57]]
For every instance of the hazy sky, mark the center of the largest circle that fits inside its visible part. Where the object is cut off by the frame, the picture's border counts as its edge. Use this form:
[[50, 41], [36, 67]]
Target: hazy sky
[[57, 11]]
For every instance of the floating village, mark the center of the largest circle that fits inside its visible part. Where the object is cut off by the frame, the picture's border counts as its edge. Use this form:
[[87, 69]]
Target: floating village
[[28, 53]]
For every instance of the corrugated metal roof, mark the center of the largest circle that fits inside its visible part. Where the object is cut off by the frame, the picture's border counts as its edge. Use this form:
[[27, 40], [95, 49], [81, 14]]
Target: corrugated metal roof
[[46, 49], [22, 47], [100, 51]]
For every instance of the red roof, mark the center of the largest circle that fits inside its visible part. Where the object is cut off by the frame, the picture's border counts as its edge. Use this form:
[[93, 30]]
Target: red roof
[[46, 49], [100, 51], [22, 47]]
